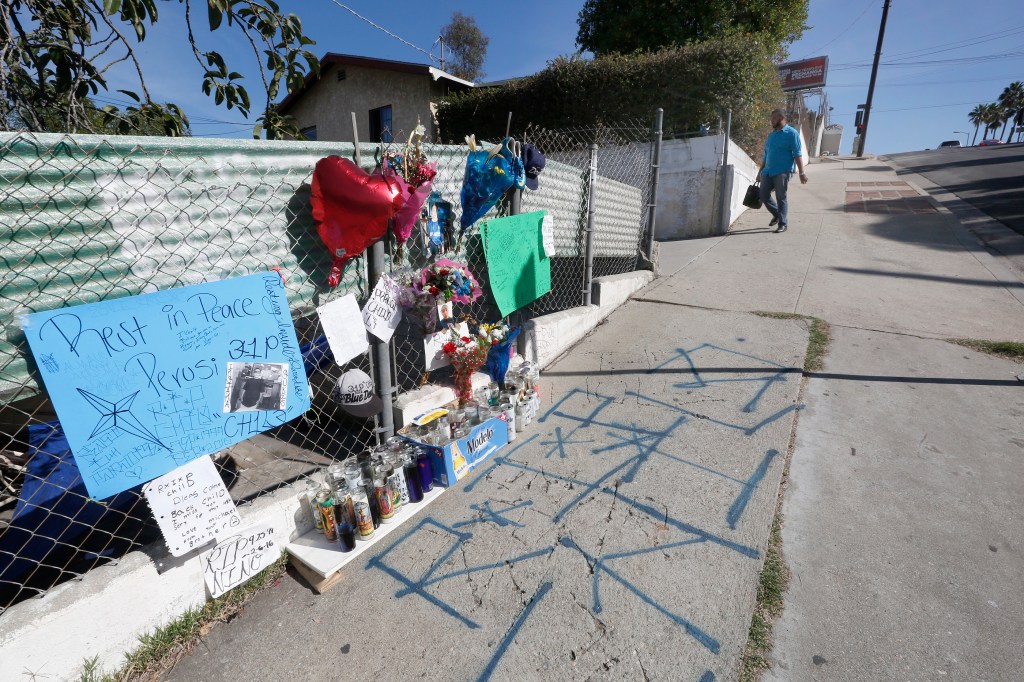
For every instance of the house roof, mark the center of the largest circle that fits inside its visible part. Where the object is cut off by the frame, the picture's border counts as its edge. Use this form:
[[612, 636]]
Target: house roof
[[333, 59]]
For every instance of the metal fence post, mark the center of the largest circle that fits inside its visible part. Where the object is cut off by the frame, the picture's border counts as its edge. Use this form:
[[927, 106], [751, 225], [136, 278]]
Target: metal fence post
[[588, 238], [382, 351], [652, 207], [725, 184]]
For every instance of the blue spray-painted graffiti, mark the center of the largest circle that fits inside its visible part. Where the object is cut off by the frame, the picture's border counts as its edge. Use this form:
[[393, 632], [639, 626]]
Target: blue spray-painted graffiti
[[512, 632], [495, 516], [579, 424]]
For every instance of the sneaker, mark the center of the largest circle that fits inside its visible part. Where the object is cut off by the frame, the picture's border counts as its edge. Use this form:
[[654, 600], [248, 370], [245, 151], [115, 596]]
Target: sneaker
[[774, 222], [781, 228]]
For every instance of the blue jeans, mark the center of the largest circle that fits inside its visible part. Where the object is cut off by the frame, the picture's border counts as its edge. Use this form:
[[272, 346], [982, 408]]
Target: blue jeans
[[779, 183]]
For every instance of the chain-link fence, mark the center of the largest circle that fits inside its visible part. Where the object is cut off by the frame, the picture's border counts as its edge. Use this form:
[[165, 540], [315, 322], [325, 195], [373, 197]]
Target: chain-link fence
[[89, 219]]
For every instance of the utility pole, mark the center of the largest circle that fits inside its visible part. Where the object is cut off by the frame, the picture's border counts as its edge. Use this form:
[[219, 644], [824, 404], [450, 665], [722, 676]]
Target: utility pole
[[440, 39], [874, 73]]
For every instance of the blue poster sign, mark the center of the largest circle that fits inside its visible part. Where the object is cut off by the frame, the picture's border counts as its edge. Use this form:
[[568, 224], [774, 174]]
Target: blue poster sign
[[145, 384]]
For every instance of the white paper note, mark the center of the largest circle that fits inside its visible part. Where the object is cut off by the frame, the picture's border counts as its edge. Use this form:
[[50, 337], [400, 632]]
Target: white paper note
[[434, 343], [381, 314], [191, 506], [344, 327], [234, 560], [547, 230]]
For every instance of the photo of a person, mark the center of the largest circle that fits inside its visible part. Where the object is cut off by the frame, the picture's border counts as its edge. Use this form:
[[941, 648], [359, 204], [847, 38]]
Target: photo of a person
[[253, 386]]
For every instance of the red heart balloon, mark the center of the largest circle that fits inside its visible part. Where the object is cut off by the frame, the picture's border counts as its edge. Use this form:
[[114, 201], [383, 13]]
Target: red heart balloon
[[351, 208]]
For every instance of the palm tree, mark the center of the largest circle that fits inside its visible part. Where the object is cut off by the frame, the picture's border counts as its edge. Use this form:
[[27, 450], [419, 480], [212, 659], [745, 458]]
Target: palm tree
[[992, 117], [1012, 100], [975, 117]]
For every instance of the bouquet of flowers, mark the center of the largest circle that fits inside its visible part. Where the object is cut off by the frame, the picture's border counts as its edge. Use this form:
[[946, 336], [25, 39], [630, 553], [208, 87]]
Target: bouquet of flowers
[[500, 337], [467, 354], [414, 175], [443, 281]]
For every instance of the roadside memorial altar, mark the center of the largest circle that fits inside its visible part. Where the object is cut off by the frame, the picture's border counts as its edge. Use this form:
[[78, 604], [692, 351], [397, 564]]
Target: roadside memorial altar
[[365, 497]]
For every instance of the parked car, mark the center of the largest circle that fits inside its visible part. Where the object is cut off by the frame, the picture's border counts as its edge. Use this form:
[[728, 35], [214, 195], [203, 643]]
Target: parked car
[[950, 143], [989, 143]]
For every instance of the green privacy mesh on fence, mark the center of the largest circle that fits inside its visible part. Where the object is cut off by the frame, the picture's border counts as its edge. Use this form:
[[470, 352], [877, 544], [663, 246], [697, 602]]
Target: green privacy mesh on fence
[[90, 218]]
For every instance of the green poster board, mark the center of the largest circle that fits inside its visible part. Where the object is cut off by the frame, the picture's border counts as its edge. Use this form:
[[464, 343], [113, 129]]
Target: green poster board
[[517, 267]]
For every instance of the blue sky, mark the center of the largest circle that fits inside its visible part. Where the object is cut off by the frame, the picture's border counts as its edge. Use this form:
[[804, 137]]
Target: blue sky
[[916, 105]]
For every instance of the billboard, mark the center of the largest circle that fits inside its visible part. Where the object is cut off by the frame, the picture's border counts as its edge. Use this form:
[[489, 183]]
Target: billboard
[[804, 74]]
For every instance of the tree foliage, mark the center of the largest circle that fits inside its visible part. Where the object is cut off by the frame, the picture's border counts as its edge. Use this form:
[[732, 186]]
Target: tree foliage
[[628, 25], [691, 83], [55, 55], [468, 47], [1011, 101]]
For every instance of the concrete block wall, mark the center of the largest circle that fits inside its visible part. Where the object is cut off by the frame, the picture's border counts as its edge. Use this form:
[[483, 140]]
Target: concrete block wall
[[689, 186], [105, 612]]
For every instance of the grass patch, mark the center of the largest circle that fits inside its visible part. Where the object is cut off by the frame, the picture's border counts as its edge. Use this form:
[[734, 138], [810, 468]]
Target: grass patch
[[1012, 350], [770, 591], [817, 345], [774, 579], [165, 645]]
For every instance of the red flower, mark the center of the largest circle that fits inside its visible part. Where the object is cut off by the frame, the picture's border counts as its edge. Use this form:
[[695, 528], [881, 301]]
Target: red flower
[[434, 291], [494, 342], [466, 339], [449, 347], [443, 272]]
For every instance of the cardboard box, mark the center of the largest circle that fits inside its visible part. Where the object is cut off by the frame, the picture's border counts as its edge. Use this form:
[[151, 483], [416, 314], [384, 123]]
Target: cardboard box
[[456, 459]]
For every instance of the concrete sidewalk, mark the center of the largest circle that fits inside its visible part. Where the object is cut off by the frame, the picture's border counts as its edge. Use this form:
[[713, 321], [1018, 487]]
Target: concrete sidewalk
[[622, 535], [902, 523]]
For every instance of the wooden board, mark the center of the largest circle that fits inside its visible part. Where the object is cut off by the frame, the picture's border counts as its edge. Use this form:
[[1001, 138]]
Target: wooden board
[[319, 583]]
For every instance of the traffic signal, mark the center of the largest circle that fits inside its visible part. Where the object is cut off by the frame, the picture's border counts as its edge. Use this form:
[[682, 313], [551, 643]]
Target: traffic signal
[[858, 122]]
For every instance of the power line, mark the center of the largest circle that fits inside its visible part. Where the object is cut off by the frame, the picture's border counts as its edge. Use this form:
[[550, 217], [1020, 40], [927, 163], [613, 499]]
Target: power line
[[219, 133], [932, 106], [999, 56], [909, 85], [966, 42], [381, 28], [193, 120]]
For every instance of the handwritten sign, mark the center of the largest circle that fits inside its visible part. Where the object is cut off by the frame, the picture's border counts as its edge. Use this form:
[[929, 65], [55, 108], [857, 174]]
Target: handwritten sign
[[240, 557], [191, 506], [434, 343], [139, 383], [343, 327], [517, 267], [381, 314]]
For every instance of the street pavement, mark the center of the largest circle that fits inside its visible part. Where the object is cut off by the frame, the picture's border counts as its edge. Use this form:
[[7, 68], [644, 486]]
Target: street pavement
[[622, 534], [988, 178]]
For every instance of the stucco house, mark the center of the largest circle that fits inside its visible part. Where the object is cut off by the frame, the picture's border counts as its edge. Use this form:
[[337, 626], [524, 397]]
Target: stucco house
[[388, 97]]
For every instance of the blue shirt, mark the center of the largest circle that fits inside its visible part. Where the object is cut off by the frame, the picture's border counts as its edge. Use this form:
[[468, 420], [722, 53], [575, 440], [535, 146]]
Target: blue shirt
[[781, 150]]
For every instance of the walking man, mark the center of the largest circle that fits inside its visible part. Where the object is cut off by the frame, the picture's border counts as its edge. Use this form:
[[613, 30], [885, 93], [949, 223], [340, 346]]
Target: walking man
[[781, 151]]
